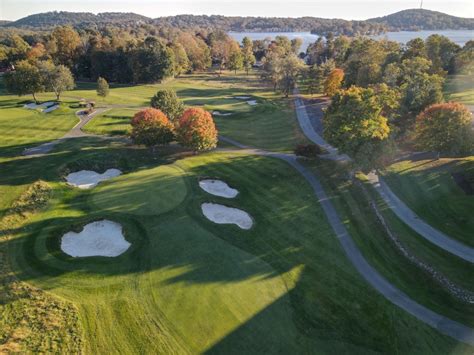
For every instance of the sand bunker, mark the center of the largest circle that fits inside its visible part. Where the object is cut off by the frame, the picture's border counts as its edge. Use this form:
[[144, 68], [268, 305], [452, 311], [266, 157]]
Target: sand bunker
[[101, 238], [221, 214], [252, 102], [242, 97], [218, 188], [217, 113], [34, 106], [87, 179], [51, 108]]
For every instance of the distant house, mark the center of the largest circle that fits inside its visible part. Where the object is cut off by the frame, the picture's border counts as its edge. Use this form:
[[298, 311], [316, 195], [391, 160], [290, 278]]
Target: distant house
[[6, 69]]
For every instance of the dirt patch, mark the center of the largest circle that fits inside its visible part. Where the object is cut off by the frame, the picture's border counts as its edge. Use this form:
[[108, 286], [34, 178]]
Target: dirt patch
[[464, 183]]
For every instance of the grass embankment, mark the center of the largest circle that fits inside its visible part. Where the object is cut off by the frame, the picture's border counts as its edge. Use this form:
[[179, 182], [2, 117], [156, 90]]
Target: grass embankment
[[382, 254], [460, 88], [428, 188]]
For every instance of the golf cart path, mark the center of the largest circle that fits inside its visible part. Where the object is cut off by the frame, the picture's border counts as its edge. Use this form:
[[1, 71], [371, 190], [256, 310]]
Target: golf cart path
[[75, 132], [417, 224], [398, 207], [441, 323]]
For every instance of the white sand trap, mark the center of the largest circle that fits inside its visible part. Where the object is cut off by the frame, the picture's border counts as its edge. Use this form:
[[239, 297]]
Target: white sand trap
[[252, 102], [221, 214], [51, 108], [101, 238], [34, 106], [218, 188], [242, 97], [87, 179], [217, 113]]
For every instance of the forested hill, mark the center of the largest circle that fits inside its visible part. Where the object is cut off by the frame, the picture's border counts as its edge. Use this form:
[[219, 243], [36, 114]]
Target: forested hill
[[404, 20], [48, 20], [420, 19]]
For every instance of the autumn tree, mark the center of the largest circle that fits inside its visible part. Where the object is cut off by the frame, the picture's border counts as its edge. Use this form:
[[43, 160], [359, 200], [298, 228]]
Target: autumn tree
[[102, 87], [445, 128], [168, 102], [196, 130], [151, 127], [354, 124], [333, 82], [197, 51], [56, 78], [248, 59], [64, 45], [25, 80]]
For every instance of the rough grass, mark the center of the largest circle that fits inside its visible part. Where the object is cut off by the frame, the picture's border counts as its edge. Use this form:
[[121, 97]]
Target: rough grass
[[428, 188], [381, 253], [460, 88]]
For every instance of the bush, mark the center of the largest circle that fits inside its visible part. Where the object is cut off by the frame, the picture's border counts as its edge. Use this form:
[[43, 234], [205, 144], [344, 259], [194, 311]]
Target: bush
[[102, 87], [167, 101], [308, 150], [151, 127], [196, 130], [34, 198]]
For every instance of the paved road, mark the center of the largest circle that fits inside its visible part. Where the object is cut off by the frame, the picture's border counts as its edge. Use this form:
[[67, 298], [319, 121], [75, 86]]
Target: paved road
[[310, 131], [75, 132], [417, 224], [444, 325]]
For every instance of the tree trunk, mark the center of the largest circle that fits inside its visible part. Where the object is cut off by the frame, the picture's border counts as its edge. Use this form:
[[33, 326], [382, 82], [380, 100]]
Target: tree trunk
[[57, 96], [34, 98]]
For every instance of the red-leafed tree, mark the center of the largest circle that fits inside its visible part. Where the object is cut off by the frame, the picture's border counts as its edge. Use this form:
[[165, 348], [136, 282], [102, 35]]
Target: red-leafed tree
[[445, 128], [196, 130], [151, 127]]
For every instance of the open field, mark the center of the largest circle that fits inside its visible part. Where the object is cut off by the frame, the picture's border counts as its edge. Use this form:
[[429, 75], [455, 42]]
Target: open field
[[187, 285], [428, 188]]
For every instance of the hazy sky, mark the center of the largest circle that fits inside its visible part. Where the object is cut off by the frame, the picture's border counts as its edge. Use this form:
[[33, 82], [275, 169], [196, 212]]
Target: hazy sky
[[357, 10]]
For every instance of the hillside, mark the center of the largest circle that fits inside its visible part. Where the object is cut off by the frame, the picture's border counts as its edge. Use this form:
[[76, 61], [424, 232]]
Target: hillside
[[420, 19], [78, 19]]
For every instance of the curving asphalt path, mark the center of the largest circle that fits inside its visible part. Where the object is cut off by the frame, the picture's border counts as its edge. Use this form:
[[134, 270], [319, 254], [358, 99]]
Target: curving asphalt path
[[417, 224], [443, 324]]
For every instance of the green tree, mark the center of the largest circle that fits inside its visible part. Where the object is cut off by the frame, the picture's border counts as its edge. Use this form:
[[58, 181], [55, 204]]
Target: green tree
[[25, 80], [102, 87], [168, 102], [353, 122], [445, 128], [57, 78], [181, 61], [151, 127], [236, 60], [420, 91], [464, 60], [441, 51], [247, 53], [288, 69], [151, 62]]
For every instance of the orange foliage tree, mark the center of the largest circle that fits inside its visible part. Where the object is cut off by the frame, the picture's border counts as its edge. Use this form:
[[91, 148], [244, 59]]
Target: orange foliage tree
[[151, 127], [445, 128], [196, 130], [333, 82]]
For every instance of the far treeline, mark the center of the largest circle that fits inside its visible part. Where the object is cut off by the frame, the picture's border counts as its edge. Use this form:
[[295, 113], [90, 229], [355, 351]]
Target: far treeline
[[382, 92], [409, 20]]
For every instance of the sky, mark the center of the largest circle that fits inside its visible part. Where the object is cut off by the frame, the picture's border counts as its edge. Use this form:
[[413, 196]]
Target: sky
[[346, 9]]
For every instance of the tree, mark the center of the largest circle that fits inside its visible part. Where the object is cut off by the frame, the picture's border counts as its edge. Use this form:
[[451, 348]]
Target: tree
[[196, 129], [151, 127], [236, 60], [102, 87], [464, 60], [353, 123], [296, 44], [445, 128], [26, 79], [333, 82], [64, 46], [247, 53], [290, 67], [420, 91], [441, 51], [56, 78], [168, 102], [181, 61]]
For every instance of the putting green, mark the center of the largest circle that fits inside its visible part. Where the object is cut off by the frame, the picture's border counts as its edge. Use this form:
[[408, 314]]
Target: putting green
[[145, 192]]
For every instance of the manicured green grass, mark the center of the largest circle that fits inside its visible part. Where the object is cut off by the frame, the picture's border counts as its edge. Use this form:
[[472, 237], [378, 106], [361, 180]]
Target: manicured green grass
[[145, 192], [369, 235], [428, 188], [460, 88], [111, 122]]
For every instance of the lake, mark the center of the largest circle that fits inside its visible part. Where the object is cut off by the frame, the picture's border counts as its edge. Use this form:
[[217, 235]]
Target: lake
[[458, 36]]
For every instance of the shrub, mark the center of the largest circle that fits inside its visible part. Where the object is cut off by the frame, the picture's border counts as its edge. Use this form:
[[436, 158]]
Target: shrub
[[102, 87], [196, 130], [34, 198], [151, 127], [308, 150]]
